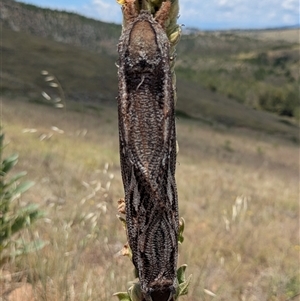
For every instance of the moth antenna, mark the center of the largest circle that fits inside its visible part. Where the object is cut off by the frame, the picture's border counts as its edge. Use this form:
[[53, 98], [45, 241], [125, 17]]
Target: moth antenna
[[163, 13], [129, 11]]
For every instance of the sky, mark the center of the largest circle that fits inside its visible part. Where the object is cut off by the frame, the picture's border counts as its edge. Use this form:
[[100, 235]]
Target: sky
[[201, 14]]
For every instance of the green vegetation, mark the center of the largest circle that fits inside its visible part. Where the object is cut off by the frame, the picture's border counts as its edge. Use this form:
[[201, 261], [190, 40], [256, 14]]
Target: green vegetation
[[257, 69], [261, 74], [224, 78], [13, 217], [90, 78]]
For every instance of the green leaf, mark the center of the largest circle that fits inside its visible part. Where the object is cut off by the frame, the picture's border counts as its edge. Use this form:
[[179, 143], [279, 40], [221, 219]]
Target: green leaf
[[21, 188], [24, 217], [122, 296], [32, 211], [14, 218], [122, 220], [26, 248], [183, 287], [15, 179], [181, 229], [135, 292], [1, 139], [9, 163], [181, 273]]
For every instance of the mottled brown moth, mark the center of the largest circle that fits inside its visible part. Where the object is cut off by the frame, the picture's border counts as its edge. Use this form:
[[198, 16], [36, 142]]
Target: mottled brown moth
[[148, 149]]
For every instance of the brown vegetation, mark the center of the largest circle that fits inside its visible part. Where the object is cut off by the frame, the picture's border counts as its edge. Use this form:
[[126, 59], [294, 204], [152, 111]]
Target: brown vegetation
[[238, 191]]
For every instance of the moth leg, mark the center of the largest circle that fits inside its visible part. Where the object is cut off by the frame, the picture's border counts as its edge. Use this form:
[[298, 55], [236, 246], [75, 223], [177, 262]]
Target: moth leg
[[163, 14], [143, 78], [171, 297], [147, 298]]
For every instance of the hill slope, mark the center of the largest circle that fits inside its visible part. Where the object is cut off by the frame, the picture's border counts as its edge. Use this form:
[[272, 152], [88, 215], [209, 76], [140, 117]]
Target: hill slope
[[83, 74], [216, 71], [60, 26]]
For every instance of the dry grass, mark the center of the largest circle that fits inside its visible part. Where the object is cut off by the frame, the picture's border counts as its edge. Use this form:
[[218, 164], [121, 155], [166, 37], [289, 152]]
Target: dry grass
[[286, 35], [238, 193]]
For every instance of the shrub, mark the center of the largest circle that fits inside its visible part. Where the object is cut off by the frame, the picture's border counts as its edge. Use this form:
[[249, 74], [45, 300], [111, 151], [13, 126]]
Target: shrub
[[14, 218], [284, 102]]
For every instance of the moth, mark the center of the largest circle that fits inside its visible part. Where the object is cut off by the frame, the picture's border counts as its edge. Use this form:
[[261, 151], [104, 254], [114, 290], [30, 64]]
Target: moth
[[147, 137]]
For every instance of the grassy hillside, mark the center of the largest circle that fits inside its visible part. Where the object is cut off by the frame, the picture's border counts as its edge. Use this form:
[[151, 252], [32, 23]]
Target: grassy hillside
[[237, 171], [290, 35], [238, 192], [261, 73], [83, 74], [258, 69], [60, 26], [90, 78]]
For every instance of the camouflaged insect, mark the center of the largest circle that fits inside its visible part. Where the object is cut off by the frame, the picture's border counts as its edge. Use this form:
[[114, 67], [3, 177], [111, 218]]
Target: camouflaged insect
[[146, 107]]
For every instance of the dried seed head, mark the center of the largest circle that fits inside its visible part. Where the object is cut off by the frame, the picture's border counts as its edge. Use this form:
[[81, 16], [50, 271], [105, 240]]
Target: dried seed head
[[42, 137], [121, 206], [46, 96], [49, 78], [56, 129], [59, 105], [29, 130], [126, 251], [57, 99], [210, 293]]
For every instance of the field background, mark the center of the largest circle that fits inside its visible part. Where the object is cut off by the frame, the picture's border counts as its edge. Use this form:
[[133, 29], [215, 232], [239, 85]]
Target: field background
[[237, 170]]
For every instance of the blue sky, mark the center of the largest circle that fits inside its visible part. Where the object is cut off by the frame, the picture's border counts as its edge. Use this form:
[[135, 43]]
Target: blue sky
[[202, 14]]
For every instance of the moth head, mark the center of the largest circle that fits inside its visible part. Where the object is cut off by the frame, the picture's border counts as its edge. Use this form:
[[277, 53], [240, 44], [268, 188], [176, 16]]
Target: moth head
[[162, 296], [161, 293]]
